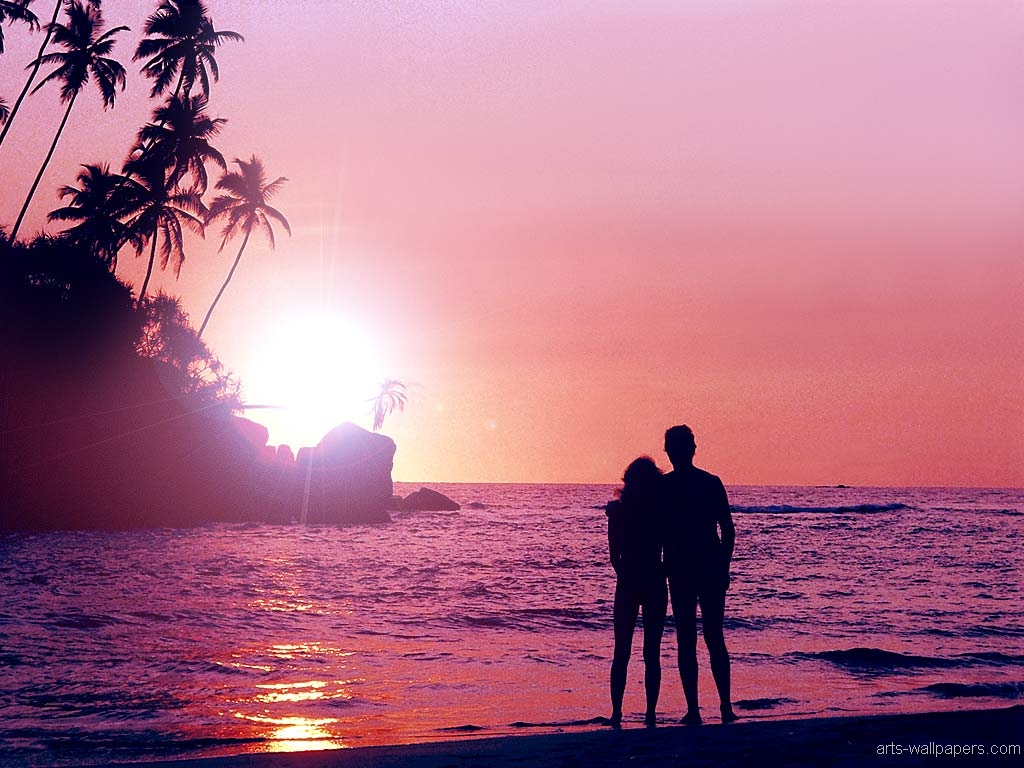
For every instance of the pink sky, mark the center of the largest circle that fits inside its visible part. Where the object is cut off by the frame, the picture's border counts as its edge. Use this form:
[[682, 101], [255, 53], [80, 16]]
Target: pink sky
[[796, 226]]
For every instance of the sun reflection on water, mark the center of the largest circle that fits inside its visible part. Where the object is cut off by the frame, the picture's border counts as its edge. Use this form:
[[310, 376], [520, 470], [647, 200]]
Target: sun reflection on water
[[297, 734], [307, 691], [286, 712]]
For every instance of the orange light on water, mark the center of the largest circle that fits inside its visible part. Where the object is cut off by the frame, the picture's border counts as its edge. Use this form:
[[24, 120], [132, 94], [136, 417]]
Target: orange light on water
[[297, 734]]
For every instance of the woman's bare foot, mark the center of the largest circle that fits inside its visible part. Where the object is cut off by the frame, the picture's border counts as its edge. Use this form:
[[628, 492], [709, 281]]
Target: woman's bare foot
[[651, 719], [615, 721], [728, 716]]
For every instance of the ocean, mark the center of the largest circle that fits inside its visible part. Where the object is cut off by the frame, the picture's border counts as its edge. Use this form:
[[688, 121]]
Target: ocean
[[496, 619]]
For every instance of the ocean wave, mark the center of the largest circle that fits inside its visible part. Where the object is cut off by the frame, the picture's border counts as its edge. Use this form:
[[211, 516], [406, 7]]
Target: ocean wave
[[83, 621], [976, 690], [876, 659], [993, 657], [751, 705], [534, 620], [748, 622], [786, 509], [994, 631], [123, 743], [561, 723]]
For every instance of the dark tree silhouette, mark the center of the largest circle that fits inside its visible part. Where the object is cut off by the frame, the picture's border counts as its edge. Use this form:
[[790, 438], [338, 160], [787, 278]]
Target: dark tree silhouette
[[5, 111], [245, 207], [391, 397], [161, 210], [179, 138], [15, 10], [168, 338], [180, 42], [85, 55], [99, 204]]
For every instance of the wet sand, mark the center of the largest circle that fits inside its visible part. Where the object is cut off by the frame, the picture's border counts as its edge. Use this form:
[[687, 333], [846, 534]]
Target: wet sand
[[837, 741]]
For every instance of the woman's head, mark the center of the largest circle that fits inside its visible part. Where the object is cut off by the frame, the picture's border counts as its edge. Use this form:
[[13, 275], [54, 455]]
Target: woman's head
[[641, 478]]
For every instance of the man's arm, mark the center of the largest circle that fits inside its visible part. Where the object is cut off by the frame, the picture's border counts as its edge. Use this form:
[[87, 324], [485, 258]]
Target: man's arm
[[725, 524]]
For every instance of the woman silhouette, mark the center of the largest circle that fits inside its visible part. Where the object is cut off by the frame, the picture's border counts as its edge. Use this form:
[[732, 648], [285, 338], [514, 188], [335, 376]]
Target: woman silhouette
[[635, 549]]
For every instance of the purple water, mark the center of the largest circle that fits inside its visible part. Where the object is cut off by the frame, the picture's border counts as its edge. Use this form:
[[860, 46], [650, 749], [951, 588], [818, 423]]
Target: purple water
[[492, 620]]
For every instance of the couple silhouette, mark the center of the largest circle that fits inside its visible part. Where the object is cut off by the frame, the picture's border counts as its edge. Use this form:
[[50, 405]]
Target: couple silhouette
[[663, 538]]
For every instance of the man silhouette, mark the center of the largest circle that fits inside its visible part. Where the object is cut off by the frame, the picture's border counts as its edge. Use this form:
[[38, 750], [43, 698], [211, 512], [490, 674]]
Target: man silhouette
[[697, 561]]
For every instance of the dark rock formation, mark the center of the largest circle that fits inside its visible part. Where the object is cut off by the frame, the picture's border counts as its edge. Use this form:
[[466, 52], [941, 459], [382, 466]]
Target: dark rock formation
[[346, 478], [429, 500]]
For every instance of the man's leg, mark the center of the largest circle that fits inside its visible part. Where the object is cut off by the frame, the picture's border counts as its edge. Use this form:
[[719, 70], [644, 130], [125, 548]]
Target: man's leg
[[684, 610], [712, 617]]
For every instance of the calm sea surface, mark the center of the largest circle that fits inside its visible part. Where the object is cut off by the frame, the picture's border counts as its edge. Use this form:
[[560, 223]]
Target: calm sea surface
[[492, 620]]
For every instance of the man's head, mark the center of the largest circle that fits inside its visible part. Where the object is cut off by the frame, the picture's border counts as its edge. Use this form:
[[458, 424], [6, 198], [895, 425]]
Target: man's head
[[680, 445]]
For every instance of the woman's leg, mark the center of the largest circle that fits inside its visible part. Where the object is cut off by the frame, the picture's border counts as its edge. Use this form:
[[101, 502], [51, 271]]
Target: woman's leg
[[627, 607]]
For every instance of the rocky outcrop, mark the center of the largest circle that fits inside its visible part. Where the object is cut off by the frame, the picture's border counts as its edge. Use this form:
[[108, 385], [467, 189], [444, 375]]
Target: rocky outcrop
[[428, 500], [164, 466], [346, 478]]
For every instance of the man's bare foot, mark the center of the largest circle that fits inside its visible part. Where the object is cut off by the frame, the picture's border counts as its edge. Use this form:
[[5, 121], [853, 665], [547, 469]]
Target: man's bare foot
[[650, 719], [691, 718], [728, 716], [615, 721]]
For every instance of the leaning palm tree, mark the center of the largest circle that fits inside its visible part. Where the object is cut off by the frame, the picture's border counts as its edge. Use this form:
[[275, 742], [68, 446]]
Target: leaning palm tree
[[245, 207], [15, 10], [99, 204], [35, 70], [160, 211], [85, 56], [179, 44], [390, 398], [179, 137]]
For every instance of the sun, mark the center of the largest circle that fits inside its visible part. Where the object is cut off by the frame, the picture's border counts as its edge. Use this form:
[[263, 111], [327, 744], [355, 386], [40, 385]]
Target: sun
[[315, 370]]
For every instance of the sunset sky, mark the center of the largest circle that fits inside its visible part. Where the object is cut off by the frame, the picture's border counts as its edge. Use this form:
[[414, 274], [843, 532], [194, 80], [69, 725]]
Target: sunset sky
[[796, 226]]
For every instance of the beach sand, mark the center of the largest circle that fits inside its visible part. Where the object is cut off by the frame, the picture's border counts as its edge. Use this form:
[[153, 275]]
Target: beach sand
[[837, 741]]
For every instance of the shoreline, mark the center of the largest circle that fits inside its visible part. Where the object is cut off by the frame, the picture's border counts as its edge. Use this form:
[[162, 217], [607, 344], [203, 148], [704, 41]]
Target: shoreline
[[842, 741]]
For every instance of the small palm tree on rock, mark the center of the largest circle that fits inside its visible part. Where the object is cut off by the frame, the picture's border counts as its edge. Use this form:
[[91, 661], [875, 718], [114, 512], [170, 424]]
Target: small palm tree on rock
[[390, 398]]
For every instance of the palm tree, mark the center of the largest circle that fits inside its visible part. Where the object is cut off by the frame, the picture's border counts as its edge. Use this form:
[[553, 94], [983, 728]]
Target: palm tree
[[15, 10], [179, 137], [85, 56], [99, 203], [246, 206], [391, 397], [161, 210], [180, 42], [35, 70]]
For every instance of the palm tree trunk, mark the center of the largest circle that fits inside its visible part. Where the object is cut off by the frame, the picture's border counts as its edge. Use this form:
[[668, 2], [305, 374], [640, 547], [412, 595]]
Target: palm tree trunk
[[231, 274], [149, 269], [42, 170], [32, 75]]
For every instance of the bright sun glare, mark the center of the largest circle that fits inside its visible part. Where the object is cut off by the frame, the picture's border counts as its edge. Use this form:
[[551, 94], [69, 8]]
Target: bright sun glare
[[319, 370]]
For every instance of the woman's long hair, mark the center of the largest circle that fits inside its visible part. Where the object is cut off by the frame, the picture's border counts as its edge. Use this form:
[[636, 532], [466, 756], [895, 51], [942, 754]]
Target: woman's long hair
[[641, 481]]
